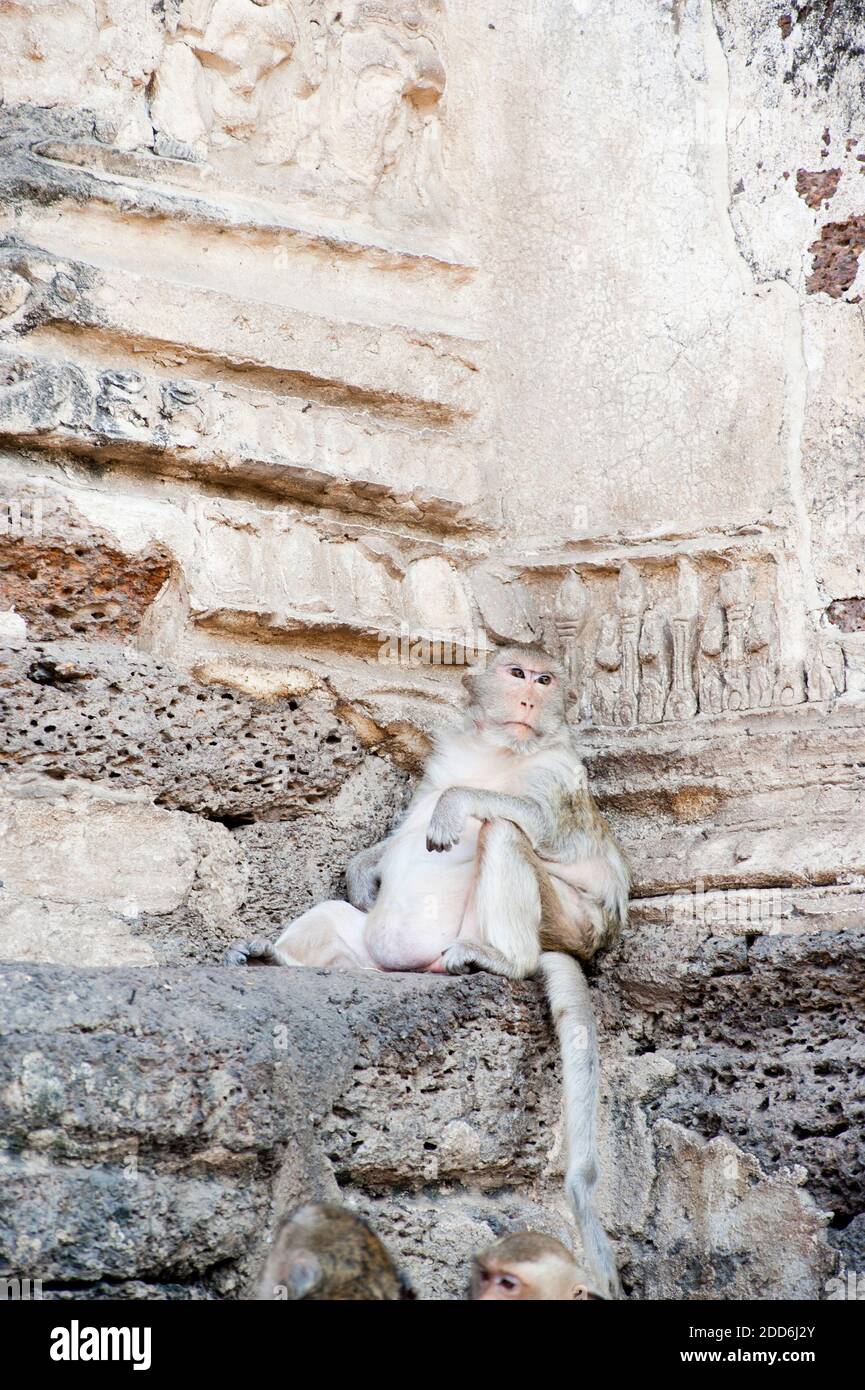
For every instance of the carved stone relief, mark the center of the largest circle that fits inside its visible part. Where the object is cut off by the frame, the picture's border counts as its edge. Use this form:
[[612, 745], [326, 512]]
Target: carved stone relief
[[258, 569], [654, 658], [654, 666], [607, 683], [571, 611], [346, 97], [762, 647], [711, 645], [682, 701], [508, 609]]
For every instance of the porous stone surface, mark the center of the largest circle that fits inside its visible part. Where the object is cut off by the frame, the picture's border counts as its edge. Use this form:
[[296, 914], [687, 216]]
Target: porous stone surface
[[338, 342], [105, 713], [173, 1115]]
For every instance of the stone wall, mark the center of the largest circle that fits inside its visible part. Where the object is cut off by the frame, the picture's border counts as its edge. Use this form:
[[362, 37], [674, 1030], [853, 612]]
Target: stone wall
[[339, 341]]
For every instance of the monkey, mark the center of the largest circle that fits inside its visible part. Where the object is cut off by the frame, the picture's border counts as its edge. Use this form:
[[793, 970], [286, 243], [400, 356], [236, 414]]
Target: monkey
[[527, 1265], [324, 1252], [502, 863]]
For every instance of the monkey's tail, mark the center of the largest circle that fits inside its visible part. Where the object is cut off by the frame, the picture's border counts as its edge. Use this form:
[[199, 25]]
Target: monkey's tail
[[574, 1019]]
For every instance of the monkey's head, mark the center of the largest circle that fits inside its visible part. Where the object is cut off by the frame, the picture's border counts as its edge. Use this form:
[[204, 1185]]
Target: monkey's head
[[323, 1252], [527, 1265], [518, 700]]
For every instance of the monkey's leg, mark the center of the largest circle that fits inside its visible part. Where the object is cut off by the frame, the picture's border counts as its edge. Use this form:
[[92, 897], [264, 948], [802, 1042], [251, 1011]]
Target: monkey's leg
[[574, 921], [363, 877], [506, 908], [329, 935]]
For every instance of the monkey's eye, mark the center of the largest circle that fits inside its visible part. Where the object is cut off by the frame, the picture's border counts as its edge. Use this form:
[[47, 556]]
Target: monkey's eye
[[544, 679], [508, 1282], [518, 672]]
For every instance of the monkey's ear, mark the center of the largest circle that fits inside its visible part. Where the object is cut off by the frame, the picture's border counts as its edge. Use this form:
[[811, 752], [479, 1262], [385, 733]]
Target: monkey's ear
[[303, 1276], [585, 1295]]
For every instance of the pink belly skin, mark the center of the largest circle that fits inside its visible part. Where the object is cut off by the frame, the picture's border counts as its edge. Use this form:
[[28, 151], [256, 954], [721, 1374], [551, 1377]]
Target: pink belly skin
[[419, 914]]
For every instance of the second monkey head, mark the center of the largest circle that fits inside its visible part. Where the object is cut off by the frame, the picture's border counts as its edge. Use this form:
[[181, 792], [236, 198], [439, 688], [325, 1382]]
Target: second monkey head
[[518, 700], [527, 1265]]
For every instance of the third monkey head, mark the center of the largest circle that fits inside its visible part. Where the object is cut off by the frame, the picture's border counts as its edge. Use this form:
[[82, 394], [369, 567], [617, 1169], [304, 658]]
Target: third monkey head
[[519, 699]]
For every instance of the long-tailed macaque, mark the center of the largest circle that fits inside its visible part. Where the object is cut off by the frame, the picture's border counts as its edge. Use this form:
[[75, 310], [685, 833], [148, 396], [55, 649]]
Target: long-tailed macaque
[[501, 863], [527, 1265], [325, 1253]]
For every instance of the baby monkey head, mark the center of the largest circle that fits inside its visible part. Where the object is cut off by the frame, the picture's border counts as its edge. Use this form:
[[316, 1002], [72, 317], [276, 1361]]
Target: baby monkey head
[[518, 700], [527, 1265]]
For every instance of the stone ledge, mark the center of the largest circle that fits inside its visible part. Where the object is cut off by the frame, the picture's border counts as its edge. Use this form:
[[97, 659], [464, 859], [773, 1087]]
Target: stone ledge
[[156, 1123]]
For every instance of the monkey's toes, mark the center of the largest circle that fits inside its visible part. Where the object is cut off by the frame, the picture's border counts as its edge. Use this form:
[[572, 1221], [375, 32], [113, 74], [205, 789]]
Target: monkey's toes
[[238, 954], [453, 961]]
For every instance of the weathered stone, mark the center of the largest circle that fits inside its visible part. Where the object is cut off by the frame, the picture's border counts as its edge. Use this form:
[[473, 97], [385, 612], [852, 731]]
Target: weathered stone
[[817, 186], [176, 1113], [67, 579], [147, 1101], [140, 725], [294, 864], [92, 876], [731, 1232], [13, 629], [705, 809], [330, 345]]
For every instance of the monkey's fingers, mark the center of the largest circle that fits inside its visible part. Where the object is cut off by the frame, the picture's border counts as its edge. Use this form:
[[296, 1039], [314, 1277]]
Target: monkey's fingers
[[440, 837]]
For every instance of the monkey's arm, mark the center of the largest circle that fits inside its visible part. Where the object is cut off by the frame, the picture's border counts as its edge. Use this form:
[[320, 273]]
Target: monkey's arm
[[362, 875], [457, 803]]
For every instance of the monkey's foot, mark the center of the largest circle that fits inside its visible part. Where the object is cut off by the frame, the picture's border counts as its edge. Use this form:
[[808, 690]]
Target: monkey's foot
[[467, 957], [244, 952], [457, 959], [238, 954]]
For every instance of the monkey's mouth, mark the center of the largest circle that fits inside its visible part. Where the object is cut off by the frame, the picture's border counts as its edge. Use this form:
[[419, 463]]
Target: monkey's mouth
[[519, 724]]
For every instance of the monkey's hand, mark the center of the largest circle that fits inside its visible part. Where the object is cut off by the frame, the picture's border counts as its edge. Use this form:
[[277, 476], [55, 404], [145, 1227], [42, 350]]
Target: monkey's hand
[[447, 821]]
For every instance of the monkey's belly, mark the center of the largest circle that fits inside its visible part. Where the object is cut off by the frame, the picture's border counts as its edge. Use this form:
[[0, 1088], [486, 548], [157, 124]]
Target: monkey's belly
[[421, 902]]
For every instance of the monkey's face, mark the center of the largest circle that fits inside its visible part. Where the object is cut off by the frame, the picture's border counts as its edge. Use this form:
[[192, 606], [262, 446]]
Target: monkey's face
[[519, 699], [527, 1265], [543, 1279], [491, 1283]]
